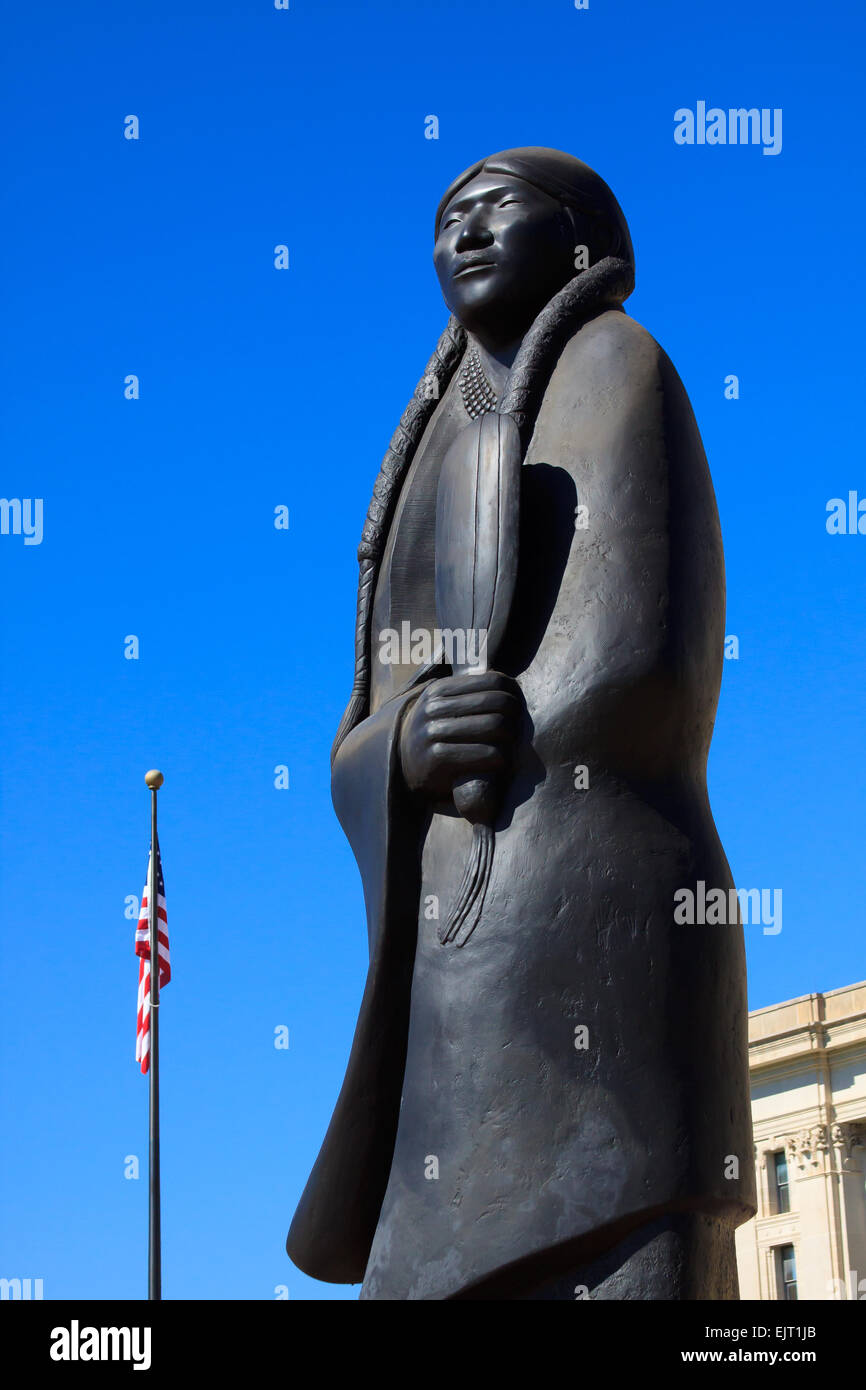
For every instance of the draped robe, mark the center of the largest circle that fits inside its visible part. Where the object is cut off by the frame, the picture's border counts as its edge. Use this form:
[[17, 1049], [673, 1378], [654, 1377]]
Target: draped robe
[[479, 1128]]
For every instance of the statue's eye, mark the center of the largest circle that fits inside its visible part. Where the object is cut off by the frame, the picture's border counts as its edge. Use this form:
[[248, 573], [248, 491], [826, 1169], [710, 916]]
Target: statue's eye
[[449, 222], [506, 202]]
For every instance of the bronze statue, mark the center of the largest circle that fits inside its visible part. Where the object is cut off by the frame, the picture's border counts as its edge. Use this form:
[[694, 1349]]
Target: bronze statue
[[547, 1094]]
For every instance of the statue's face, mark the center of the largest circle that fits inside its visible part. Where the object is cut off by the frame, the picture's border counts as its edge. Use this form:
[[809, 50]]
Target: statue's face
[[504, 249]]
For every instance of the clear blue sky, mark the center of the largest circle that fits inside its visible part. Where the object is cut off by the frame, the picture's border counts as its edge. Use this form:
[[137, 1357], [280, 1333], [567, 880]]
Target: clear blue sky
[[260, 388]]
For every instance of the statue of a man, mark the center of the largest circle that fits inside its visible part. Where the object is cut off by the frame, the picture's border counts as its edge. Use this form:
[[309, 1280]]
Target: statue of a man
[[555, 1105]]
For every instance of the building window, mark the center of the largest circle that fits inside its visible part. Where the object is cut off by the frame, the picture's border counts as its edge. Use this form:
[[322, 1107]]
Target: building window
[[780, 1173], [786, 1273]]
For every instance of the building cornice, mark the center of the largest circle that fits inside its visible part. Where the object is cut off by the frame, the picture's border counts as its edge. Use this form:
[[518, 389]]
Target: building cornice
[[808, 1028]]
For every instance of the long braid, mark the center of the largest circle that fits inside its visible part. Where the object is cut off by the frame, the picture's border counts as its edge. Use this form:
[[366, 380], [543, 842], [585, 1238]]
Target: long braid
[[395, 465], [608, 282]]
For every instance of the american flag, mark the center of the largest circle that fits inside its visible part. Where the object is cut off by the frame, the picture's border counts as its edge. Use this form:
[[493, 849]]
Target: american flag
[[142, 949]]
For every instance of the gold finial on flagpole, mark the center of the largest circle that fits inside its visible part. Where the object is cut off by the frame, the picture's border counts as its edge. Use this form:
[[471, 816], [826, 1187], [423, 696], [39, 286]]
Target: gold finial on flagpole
[[154, 779]]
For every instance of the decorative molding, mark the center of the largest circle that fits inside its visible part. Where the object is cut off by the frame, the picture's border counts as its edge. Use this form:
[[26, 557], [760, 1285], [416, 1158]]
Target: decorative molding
[[808, 1147], [848, 1137], [771, 1236], [814, 1145]]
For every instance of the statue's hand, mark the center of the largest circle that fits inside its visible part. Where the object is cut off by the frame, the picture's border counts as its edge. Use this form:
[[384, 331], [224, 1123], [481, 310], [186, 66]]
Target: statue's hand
[[459, 727]]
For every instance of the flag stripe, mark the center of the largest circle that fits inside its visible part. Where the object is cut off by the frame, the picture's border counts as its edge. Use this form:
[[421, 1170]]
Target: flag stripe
[[142, 950]]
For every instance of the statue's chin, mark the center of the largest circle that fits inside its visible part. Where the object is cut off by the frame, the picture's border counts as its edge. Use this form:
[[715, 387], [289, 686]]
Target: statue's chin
[[500, 317], [491, 316], [494, 328]]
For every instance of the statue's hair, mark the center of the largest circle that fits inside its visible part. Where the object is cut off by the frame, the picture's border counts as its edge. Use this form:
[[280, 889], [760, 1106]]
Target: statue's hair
[[447, 355], [604, 285]]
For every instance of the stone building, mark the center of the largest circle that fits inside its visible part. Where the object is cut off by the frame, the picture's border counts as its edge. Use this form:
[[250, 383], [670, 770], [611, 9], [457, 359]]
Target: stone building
[[807, 1059]]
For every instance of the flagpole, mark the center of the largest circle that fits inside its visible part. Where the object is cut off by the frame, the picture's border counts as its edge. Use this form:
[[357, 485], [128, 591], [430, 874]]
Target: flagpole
[[154, 781]]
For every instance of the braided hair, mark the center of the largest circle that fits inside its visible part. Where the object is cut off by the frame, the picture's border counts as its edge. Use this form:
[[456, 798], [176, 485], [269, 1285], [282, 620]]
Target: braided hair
[[446, 358]]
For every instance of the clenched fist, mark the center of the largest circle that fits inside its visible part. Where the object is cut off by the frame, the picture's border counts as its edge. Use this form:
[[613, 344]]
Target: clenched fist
[[459, 727]]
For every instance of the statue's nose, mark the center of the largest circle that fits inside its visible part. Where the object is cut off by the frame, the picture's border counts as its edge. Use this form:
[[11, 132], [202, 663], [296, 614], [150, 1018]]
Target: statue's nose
[[474, 235]]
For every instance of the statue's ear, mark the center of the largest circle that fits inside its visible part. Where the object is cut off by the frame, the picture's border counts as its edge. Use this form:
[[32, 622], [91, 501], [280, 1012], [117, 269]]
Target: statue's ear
[[578, 232], [571, 218], [587, 230]]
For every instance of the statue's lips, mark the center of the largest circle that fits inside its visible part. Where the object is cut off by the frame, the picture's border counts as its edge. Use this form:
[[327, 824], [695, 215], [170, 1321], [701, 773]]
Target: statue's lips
[[474, 265]]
